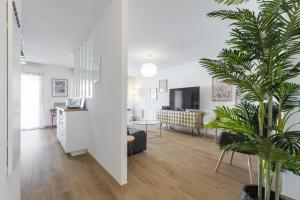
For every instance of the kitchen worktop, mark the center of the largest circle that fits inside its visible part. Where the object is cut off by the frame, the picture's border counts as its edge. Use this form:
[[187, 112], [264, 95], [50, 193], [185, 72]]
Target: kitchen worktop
[[66, 109]]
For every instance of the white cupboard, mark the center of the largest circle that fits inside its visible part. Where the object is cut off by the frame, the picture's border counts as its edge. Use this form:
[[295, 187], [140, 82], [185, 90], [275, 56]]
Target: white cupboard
[[73, 130]]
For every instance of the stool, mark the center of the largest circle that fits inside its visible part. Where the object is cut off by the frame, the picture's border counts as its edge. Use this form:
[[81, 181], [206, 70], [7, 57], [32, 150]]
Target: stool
[[130, 140]]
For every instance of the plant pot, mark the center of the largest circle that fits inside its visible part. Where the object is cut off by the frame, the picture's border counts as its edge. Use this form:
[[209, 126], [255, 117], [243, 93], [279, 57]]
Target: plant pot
[[249, 192]]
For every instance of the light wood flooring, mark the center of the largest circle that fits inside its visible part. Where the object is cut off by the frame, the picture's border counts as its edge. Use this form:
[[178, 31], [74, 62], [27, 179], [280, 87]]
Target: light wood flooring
[[177, 166]]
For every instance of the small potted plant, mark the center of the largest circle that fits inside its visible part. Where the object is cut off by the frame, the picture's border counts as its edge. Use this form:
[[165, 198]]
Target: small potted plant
[[261, 61]]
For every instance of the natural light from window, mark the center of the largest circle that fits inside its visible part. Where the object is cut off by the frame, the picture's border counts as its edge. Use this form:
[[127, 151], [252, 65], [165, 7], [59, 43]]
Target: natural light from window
[[30, 101]]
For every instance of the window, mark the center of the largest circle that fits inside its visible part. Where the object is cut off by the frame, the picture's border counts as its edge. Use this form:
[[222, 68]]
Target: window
[[31, 101]]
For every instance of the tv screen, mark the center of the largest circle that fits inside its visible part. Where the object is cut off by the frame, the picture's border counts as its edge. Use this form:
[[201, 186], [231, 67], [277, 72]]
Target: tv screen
[[185, 98]]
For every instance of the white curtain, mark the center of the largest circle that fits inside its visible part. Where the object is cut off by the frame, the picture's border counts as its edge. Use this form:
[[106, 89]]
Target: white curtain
[[31, 101]]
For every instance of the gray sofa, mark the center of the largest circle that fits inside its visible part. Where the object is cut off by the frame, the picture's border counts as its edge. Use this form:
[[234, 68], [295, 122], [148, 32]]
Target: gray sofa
[[140, 143]]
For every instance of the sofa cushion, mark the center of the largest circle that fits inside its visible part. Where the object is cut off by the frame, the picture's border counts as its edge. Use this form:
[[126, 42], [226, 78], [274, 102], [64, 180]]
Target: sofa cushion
[[132, 131]]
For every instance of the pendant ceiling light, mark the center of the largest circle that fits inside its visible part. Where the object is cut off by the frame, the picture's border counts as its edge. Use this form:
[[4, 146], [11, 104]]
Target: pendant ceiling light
[[149, 70], [22, 58]]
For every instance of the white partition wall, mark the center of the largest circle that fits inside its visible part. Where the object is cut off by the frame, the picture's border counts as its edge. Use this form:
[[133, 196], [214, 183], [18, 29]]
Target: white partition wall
[[10, 100], [101, 76]]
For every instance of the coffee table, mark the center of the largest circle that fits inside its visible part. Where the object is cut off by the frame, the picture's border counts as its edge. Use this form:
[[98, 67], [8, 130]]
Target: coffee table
[[147, 123]]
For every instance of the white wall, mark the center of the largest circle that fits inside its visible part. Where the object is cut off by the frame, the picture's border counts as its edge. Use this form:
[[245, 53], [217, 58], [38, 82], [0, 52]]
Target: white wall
[[188, 75], [9, 126], [107, 108], [291, 184], [48, 73]]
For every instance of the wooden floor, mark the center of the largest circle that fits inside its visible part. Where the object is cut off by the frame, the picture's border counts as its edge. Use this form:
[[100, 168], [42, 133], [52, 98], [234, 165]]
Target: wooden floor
[[175, 167]]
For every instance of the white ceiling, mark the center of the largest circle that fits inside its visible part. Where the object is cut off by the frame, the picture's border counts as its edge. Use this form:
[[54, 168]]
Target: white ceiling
[[175, 32], [52, 29]]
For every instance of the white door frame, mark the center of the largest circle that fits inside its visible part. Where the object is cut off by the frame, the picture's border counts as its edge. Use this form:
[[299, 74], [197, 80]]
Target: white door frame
[[14, 85], [3, 87], [10, 40]]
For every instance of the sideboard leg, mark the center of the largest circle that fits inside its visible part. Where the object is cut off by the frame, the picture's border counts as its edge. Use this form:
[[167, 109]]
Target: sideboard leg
[[198, 131], [160, 130]]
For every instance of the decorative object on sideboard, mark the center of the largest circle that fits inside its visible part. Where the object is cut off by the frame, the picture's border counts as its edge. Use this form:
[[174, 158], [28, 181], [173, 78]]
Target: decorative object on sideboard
[[153, 94], [76, 103], [167, 108], [163, 86], [221, 91], [96, 69], [149, 69], [59, 87]]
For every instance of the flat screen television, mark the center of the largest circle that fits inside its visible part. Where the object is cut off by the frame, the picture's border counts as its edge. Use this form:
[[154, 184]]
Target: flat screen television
[[185, 98]]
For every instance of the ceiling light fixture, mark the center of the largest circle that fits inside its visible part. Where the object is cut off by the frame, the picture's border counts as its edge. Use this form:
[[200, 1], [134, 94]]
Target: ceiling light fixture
[[22, 58], [149, 70]]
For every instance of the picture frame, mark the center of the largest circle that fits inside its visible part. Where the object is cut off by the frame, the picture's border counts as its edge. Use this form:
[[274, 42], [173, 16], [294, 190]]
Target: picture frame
[[221, 91], [96, 69], [163, 86], [59, 87], [153, 94]]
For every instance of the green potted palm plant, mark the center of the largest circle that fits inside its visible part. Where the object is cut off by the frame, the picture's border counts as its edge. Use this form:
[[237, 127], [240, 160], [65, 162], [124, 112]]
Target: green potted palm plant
[[261, 61]]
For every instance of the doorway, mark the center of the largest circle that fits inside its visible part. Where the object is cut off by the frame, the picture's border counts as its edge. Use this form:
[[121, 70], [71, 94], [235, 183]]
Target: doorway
[[31, 101]]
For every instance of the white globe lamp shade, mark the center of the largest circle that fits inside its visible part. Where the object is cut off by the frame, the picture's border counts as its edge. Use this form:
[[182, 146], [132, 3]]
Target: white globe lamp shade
[[149, 70]]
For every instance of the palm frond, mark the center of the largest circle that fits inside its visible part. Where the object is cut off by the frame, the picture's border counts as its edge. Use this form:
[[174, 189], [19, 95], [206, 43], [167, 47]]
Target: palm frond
[[242, 146], [290, 72], [289, 114], [260, 32], [240, 60], [223, 71], [287, 52], [272, 7], [288, 96], [231, 2], [262, 147], [292, 164], [238, 15], [229, 119], [288, 141]]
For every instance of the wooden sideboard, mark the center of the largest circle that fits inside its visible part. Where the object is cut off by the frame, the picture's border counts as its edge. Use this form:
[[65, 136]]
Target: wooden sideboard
[[182, 119]]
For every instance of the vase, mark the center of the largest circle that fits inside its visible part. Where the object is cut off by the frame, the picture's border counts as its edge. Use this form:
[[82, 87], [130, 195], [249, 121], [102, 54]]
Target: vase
[[250, 192]]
